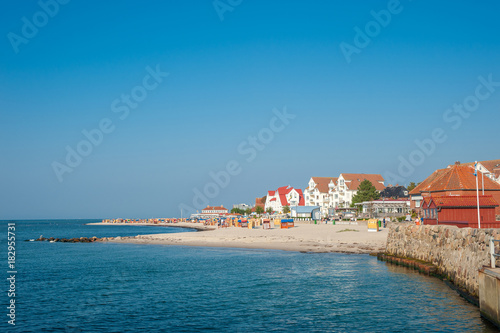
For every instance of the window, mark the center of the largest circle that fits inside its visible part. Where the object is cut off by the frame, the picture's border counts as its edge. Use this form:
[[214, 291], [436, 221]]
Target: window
[[341, 182]]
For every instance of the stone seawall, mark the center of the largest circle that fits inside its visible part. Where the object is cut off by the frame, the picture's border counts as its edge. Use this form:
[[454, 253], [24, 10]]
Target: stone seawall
[[458, 253]]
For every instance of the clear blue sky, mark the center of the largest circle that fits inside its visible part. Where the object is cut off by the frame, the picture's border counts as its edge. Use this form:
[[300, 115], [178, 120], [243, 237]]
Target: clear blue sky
[[225, 78]]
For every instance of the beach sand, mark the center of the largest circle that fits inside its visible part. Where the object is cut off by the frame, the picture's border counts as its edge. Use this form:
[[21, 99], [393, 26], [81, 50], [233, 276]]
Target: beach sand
[[303, 237]]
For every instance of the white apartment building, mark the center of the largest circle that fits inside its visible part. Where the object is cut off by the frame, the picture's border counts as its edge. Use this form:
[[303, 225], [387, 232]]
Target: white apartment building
[[347, 187], [336, 192], [319, 193]]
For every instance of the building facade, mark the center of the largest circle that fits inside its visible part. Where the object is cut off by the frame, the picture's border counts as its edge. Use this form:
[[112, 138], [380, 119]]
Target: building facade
[[455, 180], [319, 193], [385, 208], [307, 212], [347, 187], [215, 210], [284, 196], [460, 211], [243, 206], [331, 193]]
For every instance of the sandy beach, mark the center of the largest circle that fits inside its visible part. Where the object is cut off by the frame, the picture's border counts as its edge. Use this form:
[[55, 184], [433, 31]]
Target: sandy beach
[[303, 237]]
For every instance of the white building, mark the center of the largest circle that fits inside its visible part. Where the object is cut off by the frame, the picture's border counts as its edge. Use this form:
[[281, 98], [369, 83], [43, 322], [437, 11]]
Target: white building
[[335, 192], [319, 193], [243, 206], [215, 210], [284, 196], [307, 212], [347, 187], [386, 207]]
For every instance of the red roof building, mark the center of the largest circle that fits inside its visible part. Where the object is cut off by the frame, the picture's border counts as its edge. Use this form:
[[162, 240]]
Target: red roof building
[[318, 192], [347, 186], [284, 196], [220, 210], [456, 180], [352, 180], [460, 211]]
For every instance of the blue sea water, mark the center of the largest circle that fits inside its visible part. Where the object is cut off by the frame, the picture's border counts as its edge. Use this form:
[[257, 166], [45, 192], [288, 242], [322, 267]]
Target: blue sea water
[[92, 287]]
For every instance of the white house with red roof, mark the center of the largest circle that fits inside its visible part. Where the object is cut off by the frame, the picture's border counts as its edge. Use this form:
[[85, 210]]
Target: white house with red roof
[[334, 192], [214, 210], [319, 192], [347, 187], [284, 196]]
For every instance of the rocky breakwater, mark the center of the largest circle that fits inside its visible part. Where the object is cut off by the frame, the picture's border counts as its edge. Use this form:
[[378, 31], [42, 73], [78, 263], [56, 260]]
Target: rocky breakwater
[[73, 240], [458, 253]]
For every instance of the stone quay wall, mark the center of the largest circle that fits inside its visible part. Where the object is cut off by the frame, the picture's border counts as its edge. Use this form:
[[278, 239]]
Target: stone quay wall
[[458, 253]]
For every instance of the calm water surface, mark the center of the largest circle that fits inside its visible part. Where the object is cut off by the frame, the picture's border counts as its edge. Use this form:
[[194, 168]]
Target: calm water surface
[[72, 287]]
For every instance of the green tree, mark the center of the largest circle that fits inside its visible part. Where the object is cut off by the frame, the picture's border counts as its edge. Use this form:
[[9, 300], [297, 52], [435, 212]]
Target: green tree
[[237, 211], [269, 210], [286, 209], [366, 192], [248, 211], [259, 210], [411, 186]]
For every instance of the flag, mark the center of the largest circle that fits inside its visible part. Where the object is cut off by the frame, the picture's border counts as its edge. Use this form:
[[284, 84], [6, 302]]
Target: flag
[[475, 168]]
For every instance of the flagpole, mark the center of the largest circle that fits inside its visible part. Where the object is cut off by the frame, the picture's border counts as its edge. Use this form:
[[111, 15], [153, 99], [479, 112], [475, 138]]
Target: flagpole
[[477, 194], [482, 177]]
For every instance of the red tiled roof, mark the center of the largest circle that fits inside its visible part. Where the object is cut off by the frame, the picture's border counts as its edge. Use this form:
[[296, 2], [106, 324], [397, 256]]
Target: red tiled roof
[[455, 177], [270, 193], [322, 183], [354, 179], [283, 191], [301, 197], [426, 202], [283, 200], [462, 201], [427, 181]]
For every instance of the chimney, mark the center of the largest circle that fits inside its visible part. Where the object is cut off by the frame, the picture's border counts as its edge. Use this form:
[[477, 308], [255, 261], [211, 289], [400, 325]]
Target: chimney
[[457, 163]]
